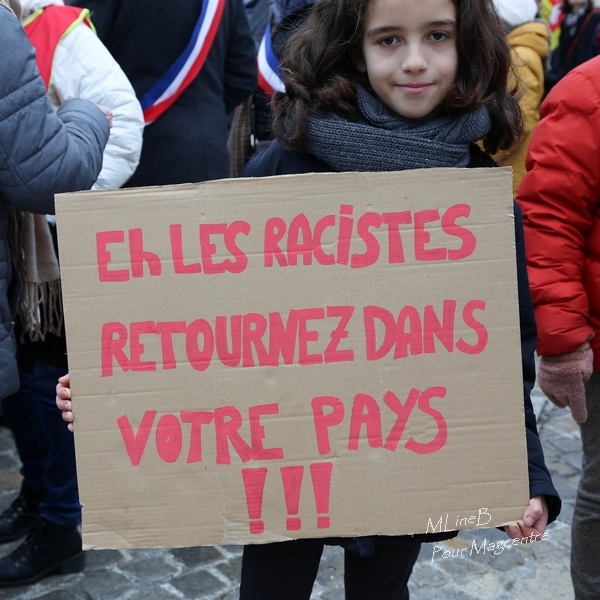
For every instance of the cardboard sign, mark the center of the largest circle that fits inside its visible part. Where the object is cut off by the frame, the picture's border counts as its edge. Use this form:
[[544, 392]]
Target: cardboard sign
[[315, 355]]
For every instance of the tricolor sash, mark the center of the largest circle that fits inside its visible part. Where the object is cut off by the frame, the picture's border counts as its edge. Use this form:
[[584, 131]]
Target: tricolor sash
[[46, 27], [269, 80], [185, 69]]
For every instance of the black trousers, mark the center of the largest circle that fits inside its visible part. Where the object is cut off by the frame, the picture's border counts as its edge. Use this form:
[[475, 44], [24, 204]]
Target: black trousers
[[287, 570]]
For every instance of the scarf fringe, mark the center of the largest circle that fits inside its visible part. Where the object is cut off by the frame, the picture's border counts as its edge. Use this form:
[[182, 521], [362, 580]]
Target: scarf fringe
[[40, 310], [40, 307]]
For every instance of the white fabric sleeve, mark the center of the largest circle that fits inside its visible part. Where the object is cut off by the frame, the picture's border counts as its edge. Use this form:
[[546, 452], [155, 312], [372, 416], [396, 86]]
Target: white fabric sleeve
[[84, 68]]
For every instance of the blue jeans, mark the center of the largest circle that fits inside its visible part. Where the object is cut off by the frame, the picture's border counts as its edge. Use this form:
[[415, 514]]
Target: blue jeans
[[44, 443]]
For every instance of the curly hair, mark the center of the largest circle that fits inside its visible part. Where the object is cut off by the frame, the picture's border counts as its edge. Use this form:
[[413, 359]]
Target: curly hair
[[319, 71]]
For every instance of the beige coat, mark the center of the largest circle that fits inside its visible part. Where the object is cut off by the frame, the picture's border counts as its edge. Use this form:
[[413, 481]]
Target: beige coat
[[530, 45]]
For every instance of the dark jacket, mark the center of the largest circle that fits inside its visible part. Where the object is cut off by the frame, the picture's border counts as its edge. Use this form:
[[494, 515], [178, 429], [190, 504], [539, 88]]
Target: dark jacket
[[41, 154], [276, 160], [189, 142], [576, 45]]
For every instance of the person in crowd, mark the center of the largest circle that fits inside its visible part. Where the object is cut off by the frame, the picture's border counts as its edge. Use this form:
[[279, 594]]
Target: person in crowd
[[286, 15], [250, 130], [73, 64], [430, 78], [578, 40], [560, 198], [42, 152], [528, 38], [187, 83], [551, 11], [258, 12]]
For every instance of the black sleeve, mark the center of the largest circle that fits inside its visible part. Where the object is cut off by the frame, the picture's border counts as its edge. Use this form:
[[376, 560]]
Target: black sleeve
[[103, 13], [276, 160], [540, 481]]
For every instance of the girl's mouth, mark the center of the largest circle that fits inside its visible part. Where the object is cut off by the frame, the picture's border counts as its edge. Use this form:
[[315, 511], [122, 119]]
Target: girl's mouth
[[414, 88]]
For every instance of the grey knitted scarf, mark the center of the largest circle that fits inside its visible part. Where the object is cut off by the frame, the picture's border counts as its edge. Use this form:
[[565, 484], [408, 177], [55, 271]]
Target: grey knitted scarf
[[380, 141]]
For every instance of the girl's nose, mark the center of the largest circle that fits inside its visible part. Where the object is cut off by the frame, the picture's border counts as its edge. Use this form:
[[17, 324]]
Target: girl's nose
[[414, 59]]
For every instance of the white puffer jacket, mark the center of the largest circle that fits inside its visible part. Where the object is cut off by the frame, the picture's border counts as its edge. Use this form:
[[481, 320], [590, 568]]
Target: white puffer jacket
[[84, 68]]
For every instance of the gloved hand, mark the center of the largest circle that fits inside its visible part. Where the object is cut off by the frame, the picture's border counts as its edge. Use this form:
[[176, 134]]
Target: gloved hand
[[562, 378]]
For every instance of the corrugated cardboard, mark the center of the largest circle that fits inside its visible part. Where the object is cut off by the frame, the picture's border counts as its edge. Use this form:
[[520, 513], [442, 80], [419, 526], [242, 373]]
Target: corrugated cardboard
[[240, 375]]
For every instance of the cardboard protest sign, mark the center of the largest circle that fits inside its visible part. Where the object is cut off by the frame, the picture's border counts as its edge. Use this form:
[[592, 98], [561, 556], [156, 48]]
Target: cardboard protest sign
[[315, 355]]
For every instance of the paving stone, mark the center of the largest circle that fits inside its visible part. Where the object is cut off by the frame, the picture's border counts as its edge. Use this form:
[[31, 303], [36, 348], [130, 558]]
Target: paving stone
[[567, 510], [197, 585], [573, 459], [13, 593], [557, 466], [102, 559], [331, 569], [566, 490], [545, 581], [59, 595], [232, 568], [141, 553], [560, 535], [153, 568], [105, 585], [230, 595], [156, 593], [10, 480], [482, 587], [6, 440], [7, 462], [195, 556], [425, 576], [337, 594], [233, 549], [565, 444]]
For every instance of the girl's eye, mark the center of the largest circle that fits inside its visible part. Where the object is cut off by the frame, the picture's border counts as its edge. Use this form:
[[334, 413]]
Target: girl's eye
[[388, 41], [438, 36]]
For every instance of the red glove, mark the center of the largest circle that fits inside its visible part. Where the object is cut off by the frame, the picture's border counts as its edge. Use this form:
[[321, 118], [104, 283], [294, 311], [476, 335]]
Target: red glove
[[562, 378]]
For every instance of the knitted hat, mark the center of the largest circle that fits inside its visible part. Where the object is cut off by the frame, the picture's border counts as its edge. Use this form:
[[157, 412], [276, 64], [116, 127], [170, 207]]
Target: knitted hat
[[283, 8], [516, 12]]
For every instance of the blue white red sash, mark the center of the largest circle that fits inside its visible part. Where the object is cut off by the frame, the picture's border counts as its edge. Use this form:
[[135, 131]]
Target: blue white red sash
[[185, 69], [269, 80]]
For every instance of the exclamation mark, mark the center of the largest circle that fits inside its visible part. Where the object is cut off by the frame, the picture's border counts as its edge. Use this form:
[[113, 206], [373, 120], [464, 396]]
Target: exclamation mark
[[292, 484], [254, 484], [321, 478]]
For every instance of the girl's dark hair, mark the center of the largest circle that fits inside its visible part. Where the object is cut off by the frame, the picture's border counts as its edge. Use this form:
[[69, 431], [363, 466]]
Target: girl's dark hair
[[318, 68], [567, 7]]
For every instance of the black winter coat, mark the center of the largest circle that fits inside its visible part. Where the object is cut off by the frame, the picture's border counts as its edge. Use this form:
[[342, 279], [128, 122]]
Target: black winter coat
[[189, 142], [276, 160]]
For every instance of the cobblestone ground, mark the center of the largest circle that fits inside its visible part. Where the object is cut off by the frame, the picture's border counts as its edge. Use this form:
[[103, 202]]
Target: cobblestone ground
[[535, 572]]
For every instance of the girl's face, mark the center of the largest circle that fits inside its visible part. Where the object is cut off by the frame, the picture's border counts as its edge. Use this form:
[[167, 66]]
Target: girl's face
[[409, 54]]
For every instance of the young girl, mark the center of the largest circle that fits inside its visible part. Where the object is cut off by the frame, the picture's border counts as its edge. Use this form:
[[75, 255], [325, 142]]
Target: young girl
[[382, 85]]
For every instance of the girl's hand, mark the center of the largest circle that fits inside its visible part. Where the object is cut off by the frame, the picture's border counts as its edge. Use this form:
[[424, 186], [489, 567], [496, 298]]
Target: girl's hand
[[63, 399], [535, 519]]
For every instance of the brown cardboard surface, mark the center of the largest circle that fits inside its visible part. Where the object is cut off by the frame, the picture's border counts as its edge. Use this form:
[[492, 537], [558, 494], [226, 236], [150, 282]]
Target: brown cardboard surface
[[224, 394]]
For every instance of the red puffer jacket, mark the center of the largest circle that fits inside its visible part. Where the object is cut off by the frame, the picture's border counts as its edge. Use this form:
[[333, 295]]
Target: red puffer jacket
[[560, 198]]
